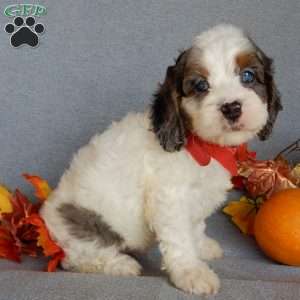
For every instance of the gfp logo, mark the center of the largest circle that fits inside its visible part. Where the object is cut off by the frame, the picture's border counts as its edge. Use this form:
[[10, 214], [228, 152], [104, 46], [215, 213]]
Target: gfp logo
[[24, 29]]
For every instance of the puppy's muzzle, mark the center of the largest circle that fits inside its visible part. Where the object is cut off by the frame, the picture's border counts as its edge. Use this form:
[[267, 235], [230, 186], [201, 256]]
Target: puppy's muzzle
[[231, 111]]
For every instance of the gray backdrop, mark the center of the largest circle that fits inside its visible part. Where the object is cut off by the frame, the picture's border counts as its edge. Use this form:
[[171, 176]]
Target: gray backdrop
[[98, 60]]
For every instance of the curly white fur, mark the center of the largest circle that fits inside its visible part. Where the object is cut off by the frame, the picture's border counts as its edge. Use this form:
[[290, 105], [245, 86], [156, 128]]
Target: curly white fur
[[146, 194]]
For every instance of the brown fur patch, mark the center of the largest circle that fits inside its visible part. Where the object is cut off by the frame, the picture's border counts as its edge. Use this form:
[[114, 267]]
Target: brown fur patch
[[87, 225], [196, 69], [245, 60], [252, 61], [264, 85], [170, 122], [193, 71]]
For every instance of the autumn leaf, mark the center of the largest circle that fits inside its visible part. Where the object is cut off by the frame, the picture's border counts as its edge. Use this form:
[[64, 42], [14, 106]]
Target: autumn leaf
[[243, 213], [5, 200], [23, 236], [22, 230], [8, 247], [50, 248], [27, 238], [42, 189], [22, 208], [44, 240], [9, 250], [238, 182], [54, 261], [265, 177], [295, 173], [242, 155]]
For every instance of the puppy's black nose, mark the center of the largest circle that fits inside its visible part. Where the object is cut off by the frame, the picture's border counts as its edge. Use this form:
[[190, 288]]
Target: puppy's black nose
[[232, 111]]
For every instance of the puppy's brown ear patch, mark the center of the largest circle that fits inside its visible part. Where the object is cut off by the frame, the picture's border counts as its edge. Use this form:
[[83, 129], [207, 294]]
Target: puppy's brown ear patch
[[193, 72], [244, 60], [273, 97], [265, 86], [169, 121]]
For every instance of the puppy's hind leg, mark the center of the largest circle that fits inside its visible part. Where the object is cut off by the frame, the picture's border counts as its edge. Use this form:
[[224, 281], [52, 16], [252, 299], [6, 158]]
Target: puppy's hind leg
[[92, 246], [94, 259]]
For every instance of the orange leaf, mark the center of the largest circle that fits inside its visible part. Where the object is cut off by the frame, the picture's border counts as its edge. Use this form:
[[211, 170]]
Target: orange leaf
[[44, 240], [50, 248], [243, 214], [54, 261], [42, 189], [245, 224]]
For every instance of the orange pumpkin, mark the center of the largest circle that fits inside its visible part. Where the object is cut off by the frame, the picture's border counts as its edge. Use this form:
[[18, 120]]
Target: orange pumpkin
[[277, 227]]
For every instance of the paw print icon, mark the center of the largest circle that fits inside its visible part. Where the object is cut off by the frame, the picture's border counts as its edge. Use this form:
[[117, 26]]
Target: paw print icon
[[24, 32]]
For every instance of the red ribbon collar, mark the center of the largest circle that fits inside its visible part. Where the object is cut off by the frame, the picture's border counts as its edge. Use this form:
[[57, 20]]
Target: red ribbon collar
[[227, 156]]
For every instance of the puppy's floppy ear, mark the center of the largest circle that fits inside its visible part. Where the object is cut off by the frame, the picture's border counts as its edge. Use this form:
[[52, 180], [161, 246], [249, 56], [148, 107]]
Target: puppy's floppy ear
[[273, 96], [169, 121]]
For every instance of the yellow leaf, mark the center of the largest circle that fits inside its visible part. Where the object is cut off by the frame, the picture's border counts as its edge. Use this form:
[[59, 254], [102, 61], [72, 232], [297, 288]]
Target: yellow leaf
[[42, 189], [5, 203], [243, 214], [238, 208]]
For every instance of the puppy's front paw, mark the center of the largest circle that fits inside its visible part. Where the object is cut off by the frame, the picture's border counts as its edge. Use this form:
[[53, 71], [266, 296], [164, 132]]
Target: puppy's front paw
[[198, 280], [209, 249]]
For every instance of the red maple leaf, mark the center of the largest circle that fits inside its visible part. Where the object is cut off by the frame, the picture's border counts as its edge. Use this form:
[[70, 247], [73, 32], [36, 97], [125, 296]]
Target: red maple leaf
[[23, 231], [8, 247], [49, 247]]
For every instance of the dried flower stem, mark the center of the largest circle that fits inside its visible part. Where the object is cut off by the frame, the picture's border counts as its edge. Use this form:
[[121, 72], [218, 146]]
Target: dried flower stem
[[295, 146]]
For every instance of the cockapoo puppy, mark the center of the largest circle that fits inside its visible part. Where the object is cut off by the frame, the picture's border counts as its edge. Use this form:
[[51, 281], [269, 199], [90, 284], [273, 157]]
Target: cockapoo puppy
[[137, 184]]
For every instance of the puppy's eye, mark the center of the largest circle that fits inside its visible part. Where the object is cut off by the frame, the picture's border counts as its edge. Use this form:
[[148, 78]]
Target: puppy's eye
[[201, 86], [247, 76]]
